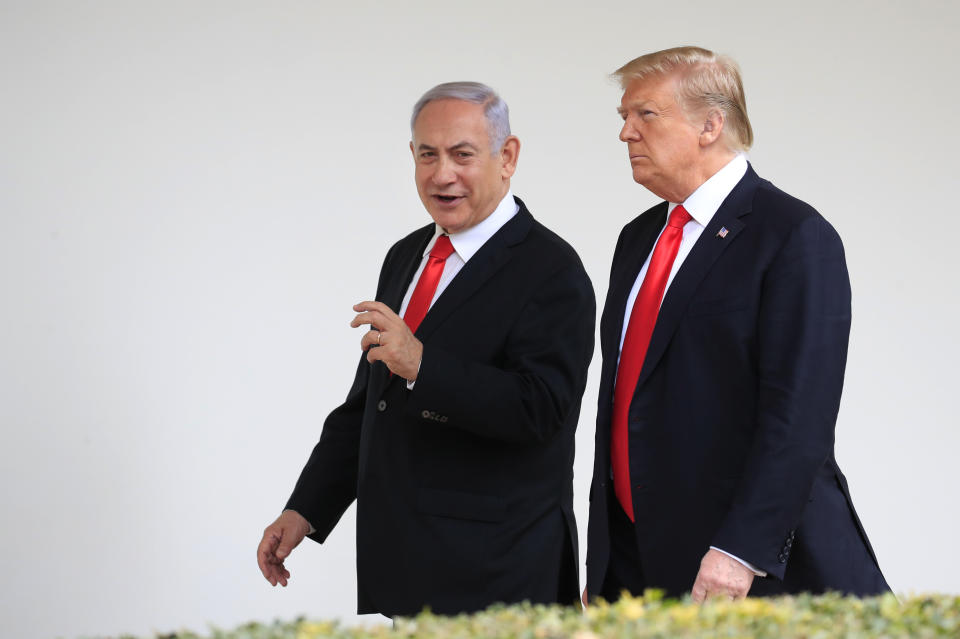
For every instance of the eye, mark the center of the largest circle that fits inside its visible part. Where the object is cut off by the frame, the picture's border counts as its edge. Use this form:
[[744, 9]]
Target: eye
[[426, 155], [646, 114], [464, 154]]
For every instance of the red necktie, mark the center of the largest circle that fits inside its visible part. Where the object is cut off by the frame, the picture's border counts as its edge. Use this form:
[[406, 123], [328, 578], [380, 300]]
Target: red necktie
[[643, 317], [427, 284]]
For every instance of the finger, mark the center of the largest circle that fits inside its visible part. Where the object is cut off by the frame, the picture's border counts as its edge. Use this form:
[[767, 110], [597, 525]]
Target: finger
[[372, 305], [373, 318], [265, 552], [271, 574], [375, 355], [699, 591], [389, 318], [381, 310], [278, 573], [370, 339], [286, 546]]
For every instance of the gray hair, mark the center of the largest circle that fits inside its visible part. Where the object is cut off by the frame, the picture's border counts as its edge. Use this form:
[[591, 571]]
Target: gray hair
[[494, 108], [705, 80]]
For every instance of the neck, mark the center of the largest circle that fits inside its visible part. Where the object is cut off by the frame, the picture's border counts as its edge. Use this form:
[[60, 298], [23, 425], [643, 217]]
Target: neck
[[712, 162]]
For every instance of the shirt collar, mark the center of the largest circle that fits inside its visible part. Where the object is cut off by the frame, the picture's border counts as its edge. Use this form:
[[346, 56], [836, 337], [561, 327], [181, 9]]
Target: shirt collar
[[703, 203], [467, 243]]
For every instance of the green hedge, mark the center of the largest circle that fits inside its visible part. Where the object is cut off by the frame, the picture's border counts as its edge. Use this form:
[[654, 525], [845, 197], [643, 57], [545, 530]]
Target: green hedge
[[812, 617]]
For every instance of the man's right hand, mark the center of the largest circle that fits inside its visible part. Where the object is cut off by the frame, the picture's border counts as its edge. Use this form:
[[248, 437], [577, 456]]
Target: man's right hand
[[279, 540]]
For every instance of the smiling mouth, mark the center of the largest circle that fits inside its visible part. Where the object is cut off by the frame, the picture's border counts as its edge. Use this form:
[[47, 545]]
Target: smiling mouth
[[448, 199]]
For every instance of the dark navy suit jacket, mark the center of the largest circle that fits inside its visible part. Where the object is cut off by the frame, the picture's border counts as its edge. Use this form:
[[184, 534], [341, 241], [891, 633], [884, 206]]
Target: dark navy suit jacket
[[731, 426], [464, 485]]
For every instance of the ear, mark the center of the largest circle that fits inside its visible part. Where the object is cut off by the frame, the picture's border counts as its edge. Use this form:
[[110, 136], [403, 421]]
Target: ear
[[413, 152], [509, 154], [712, 127]]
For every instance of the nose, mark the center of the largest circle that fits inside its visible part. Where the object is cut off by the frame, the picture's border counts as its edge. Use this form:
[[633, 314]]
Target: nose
[[629, 132], [445, 172]]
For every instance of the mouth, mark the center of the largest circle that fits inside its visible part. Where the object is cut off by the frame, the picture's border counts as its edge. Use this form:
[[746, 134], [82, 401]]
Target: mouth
[[448, 200]]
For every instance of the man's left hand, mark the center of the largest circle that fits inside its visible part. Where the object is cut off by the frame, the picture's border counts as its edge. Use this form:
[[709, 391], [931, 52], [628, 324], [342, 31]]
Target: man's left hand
[[721, 576], [396, 345]]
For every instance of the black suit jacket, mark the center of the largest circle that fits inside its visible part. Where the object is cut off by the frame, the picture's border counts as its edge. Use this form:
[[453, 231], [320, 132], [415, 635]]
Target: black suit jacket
[[464, 484], [731, 426]]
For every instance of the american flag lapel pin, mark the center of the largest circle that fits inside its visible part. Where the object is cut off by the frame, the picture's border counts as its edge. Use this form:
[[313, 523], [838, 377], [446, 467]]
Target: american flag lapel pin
[[722, 233]]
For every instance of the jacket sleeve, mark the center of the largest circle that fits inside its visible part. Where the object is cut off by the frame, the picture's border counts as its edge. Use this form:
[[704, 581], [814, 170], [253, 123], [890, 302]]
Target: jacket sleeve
[[802, 334], [328, 482]]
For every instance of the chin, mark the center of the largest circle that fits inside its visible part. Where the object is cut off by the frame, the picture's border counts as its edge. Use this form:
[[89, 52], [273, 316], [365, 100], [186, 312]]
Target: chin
[[450, 222]]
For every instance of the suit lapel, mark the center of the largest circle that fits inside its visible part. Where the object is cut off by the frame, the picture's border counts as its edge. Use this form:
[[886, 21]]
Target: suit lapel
[[492, 255], [705, 252], [626, 270], [627, 262], [401, 274], [398, 274]]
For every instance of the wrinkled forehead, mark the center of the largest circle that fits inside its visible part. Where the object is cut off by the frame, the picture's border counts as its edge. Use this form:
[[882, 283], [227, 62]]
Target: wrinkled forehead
[[658, 89], [448, 122]]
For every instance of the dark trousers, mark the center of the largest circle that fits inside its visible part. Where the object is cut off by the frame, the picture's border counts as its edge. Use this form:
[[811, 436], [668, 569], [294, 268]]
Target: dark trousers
[[624, 572]]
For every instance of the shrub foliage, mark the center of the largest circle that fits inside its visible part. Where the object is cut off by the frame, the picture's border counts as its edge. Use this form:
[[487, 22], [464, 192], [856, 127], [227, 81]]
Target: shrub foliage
[[807, 616]]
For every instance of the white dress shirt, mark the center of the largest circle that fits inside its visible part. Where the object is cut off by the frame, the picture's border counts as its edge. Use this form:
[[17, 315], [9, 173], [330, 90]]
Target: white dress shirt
[[465, 245], [702, 205]]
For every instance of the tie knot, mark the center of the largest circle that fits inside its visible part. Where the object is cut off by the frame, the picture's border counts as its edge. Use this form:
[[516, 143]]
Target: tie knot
[[679, 217], [442, 248]]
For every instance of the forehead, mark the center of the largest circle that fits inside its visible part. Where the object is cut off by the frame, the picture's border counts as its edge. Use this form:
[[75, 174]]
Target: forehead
[[450, 118], [658, 89]]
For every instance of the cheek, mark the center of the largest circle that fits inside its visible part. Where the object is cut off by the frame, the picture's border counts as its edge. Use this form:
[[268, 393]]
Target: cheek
[[422, 177]]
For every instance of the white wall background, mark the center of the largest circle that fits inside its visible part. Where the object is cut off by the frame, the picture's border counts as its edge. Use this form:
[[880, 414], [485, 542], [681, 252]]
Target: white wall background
[[193, 194]]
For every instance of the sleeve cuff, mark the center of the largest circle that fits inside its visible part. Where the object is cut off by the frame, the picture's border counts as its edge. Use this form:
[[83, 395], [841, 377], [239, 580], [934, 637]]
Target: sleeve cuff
[[312, 529], [756, 571], [409, 383]]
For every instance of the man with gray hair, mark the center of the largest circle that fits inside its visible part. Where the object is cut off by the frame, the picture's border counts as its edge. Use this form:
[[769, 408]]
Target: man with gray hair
[[724, 341], [456, 438]]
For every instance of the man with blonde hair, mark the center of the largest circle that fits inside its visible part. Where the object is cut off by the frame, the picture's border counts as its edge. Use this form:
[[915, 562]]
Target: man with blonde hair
[[724, 341]]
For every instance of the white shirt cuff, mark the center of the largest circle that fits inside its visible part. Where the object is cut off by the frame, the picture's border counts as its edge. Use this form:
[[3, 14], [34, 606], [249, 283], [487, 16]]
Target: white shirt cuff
[[409, 383], [312, 529], [756, 571]]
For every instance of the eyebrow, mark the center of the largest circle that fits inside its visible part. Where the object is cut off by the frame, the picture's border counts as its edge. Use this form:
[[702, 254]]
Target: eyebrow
[[636, 105], [458, 145]]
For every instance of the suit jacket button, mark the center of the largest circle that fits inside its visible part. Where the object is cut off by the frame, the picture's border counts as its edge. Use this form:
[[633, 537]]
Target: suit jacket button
[[382, 405]]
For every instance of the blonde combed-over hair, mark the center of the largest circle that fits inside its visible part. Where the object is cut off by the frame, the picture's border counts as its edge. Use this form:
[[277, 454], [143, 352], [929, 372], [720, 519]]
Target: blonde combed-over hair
[[705, 81]]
